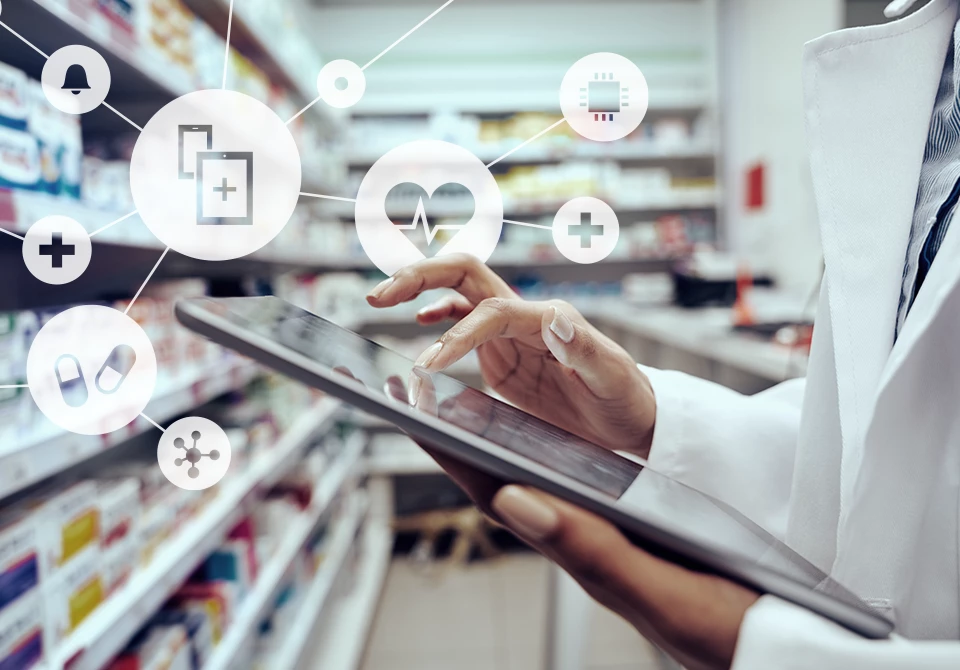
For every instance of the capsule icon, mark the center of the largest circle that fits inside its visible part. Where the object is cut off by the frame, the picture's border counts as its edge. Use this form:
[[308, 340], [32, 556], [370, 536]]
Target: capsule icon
[[115, 369], [73, 387]]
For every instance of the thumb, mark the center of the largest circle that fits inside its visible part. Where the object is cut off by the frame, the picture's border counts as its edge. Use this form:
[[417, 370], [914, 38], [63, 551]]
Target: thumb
[[577, 346], [591, 549]]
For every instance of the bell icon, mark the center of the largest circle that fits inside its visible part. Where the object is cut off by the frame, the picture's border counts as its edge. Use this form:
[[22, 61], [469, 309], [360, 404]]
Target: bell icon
[[75, 79]]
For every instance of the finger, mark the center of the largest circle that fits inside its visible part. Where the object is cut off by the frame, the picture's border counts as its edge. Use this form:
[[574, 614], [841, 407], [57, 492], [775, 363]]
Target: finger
[[603, 366], [450, 308], [491, 319], [592, 550], [463, 273]]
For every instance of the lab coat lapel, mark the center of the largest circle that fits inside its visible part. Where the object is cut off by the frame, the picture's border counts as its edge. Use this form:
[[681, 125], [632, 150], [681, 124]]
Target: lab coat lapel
[[870, 92]]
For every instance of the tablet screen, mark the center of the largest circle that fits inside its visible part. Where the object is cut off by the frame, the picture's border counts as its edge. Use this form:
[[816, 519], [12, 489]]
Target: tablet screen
[[386, 371], [653, 499]]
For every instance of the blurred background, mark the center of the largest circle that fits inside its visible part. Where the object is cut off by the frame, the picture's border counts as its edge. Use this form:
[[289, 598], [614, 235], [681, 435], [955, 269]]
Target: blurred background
[[334, 543]]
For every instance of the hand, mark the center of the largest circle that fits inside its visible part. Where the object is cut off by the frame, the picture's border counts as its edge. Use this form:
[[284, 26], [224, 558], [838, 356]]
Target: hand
[[544, 357], [692, 616]]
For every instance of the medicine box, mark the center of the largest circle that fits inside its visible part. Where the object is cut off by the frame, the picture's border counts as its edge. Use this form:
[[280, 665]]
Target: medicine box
[[21, 633], [119, 501], [69, 522], [19, 560], [72, 594]]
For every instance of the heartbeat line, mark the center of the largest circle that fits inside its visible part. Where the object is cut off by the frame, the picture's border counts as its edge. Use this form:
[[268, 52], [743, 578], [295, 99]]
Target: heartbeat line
[[421, 216]]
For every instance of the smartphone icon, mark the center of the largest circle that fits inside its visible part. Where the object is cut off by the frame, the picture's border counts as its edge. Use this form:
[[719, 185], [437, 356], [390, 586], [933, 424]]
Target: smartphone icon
[[192, 140]]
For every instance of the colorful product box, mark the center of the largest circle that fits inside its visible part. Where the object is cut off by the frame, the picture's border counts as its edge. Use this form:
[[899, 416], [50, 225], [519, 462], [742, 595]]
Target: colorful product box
[[118, 561], [19, 560], [20, 166], [14, 101], [119, 501], [21, 633], [69, 522], [72, 595]]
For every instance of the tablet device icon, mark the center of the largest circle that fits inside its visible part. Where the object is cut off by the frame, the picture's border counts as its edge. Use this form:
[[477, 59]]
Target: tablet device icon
[[225, 188]]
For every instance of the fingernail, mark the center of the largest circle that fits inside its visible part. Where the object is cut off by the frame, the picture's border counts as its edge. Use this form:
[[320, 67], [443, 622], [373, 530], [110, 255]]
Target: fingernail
[[380, 288], [429, 355], [561, 326], [525, 513], [413, 394]]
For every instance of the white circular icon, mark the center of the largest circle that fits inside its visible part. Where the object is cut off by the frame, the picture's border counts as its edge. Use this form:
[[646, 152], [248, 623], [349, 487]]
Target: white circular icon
[[604, 97], [341, 83], [414, 172], [56, 249], [75, 79], [586, 230], [194, 453], [215, 175], [91, 370]]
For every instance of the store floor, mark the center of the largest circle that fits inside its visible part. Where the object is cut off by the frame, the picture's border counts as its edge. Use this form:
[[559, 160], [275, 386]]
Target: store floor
[[488, 615]]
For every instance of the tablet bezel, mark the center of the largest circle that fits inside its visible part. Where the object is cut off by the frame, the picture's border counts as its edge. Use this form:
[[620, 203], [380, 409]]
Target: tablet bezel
[[500, 462]]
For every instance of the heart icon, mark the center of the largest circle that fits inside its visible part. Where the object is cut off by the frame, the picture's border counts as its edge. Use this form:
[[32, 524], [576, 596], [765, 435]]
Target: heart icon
[[427, 217], [425, 194]]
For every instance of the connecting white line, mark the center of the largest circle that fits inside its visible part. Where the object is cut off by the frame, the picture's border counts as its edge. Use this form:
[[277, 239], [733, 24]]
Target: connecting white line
[[297, 115], [528, 225], [155, 424], [11, 233], [517, 148], [112, 223], [14, 386], [226, 52], [112, 109], [23, 39], [406, 35], [144, 284], [35, 48], [328, 197]]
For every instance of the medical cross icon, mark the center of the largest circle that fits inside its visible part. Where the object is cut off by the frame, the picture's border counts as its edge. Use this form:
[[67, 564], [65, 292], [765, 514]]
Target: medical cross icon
[[223, 189], [587, 230], [56, 250]]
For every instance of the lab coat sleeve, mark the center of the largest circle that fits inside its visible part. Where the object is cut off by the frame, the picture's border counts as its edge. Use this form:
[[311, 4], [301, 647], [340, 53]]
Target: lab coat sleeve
[[739, 449], [776, 634]]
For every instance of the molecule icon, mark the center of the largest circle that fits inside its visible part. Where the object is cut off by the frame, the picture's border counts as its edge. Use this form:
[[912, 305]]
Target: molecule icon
[[193, 454], [175, 451]]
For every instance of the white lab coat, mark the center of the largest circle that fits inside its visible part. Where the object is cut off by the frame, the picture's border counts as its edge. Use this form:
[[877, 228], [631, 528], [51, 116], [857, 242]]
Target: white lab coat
[[857, 467]]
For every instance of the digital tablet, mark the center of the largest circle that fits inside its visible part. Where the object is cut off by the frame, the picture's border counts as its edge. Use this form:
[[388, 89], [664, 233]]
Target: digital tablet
[[658, 514]]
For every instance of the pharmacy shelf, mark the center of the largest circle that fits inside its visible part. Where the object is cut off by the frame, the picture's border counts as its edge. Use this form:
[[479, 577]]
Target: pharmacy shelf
[[250, 37], [703, 332], [20, 209], [547, 152], [259, 601], [396, 454], [351, 619], [667, 200], [107, 631], [120, 46], [49, 450], [319, 592]]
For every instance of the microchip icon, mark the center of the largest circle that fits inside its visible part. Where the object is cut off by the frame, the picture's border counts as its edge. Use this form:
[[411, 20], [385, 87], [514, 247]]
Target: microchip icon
[[603, 97]]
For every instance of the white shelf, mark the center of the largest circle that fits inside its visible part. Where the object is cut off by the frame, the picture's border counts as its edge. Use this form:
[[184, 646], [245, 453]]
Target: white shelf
[[549, 152], [261, 598], [29, 207], [289, 654], [343, 644], [49, 450], [673, 199], [107, 631]]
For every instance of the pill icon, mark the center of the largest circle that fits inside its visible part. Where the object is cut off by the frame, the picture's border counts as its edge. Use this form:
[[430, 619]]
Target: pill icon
[[73, 387], [115, 369]]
